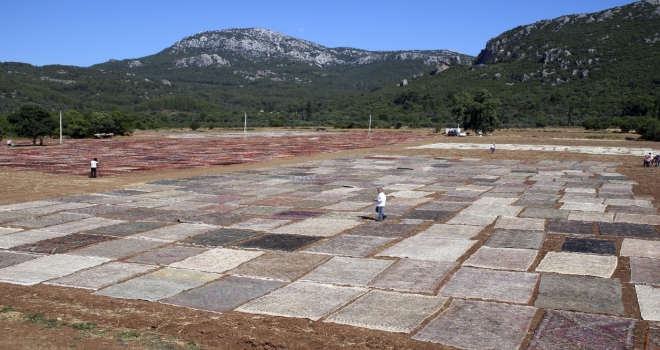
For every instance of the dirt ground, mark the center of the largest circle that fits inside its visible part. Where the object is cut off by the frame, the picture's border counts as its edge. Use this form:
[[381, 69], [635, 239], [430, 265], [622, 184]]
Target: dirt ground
[[48, 317]]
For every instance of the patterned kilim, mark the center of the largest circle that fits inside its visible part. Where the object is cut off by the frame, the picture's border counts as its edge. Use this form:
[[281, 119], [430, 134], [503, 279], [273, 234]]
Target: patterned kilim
[[279, 242], [9, 259], [63, 244], [469, 324], [570, 227], [575, 330], [627, 230], [653, 342]]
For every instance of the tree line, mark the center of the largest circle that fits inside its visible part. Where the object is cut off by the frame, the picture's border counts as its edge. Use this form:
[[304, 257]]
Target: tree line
[[478, 113]]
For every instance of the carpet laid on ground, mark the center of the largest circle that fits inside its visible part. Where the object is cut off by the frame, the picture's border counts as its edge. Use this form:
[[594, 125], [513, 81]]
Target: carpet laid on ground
[[303, 300], [469, 324], [388, 311], [223, 295], [576, 330], [579, 293], [410, 275]]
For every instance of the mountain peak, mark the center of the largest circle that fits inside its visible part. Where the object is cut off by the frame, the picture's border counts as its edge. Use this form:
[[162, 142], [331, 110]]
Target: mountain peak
[[257, 44]]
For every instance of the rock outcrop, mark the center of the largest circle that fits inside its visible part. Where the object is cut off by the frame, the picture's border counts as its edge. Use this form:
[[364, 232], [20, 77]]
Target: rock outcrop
[[258, 45]]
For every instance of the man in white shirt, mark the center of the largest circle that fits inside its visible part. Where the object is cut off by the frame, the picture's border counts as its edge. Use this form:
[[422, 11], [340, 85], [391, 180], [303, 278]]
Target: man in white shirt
[[380, 204], [95, 165]]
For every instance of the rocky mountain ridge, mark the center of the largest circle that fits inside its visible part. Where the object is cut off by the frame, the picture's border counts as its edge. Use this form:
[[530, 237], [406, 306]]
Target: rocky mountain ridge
[[227, 47], [574, 46]]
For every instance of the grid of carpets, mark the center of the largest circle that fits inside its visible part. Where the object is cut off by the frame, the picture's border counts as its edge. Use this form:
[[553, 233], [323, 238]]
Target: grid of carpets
[[462, 259]]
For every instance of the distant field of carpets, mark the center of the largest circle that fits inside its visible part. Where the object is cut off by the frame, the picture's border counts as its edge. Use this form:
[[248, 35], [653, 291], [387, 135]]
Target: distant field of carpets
[[123, 155]]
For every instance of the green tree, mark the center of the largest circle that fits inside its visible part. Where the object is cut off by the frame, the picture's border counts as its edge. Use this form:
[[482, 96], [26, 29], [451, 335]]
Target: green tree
[[102, 123], [478, 113], [75, 125], [124, 123], [308, 111], [32, 121], [4, 126]]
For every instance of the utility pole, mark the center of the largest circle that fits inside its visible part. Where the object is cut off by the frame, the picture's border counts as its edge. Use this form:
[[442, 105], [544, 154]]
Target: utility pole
[[369, 123], [60, 127], [245, 126]]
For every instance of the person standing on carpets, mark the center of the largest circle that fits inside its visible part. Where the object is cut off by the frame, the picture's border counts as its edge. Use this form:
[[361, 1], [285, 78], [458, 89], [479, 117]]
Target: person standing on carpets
[[95, 165], [492, 147], [380, 204]]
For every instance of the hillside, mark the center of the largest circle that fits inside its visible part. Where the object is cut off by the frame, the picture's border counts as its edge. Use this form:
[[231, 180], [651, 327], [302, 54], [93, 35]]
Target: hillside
[[566, 69], [222, 74], [557, 71]]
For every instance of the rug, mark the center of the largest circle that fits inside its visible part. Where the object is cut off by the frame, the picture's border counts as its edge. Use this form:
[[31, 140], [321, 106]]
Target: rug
[[217, 219], [216, 260], [570, 227], [590, 216], [653, 338], [471, 219], [516, 239], [166, 255], [347, 271], [282, 242], [469, 324], [649, 302], [81, 225], [578, 264], [513, 223], [118, 249], [506, 286], [223, 295], [632, 210], [645, 271], [417, 276], [580, 293], [318, 227], [492, 209], [296, 215], [635, 247], [258, 224], [10, 259], [8, 216], [422, 247], [221, 237], [303, 300], [443, 206], [133, 214], [175, 232], [388, 311], [384, 229], [158, 285], [63, 244], [261, 210], [576, 330], [588, 246], [628, 230], [126, 229], [461, 232], [102, 275], [281, 266], [26, 237], [49, 220], [8, 230], [544, 213], [349, 245], [431, 215], [46, 268], [502, 258]]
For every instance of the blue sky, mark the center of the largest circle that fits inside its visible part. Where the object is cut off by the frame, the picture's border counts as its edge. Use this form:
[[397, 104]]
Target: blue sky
[[86, 32]]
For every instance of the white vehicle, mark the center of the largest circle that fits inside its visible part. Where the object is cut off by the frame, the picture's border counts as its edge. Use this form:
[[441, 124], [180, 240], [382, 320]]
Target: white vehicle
[[462, 134]]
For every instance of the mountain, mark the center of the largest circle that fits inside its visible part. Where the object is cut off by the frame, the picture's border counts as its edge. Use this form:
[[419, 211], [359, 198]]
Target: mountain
[[557, 71], [570, 68], [222, 74]]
